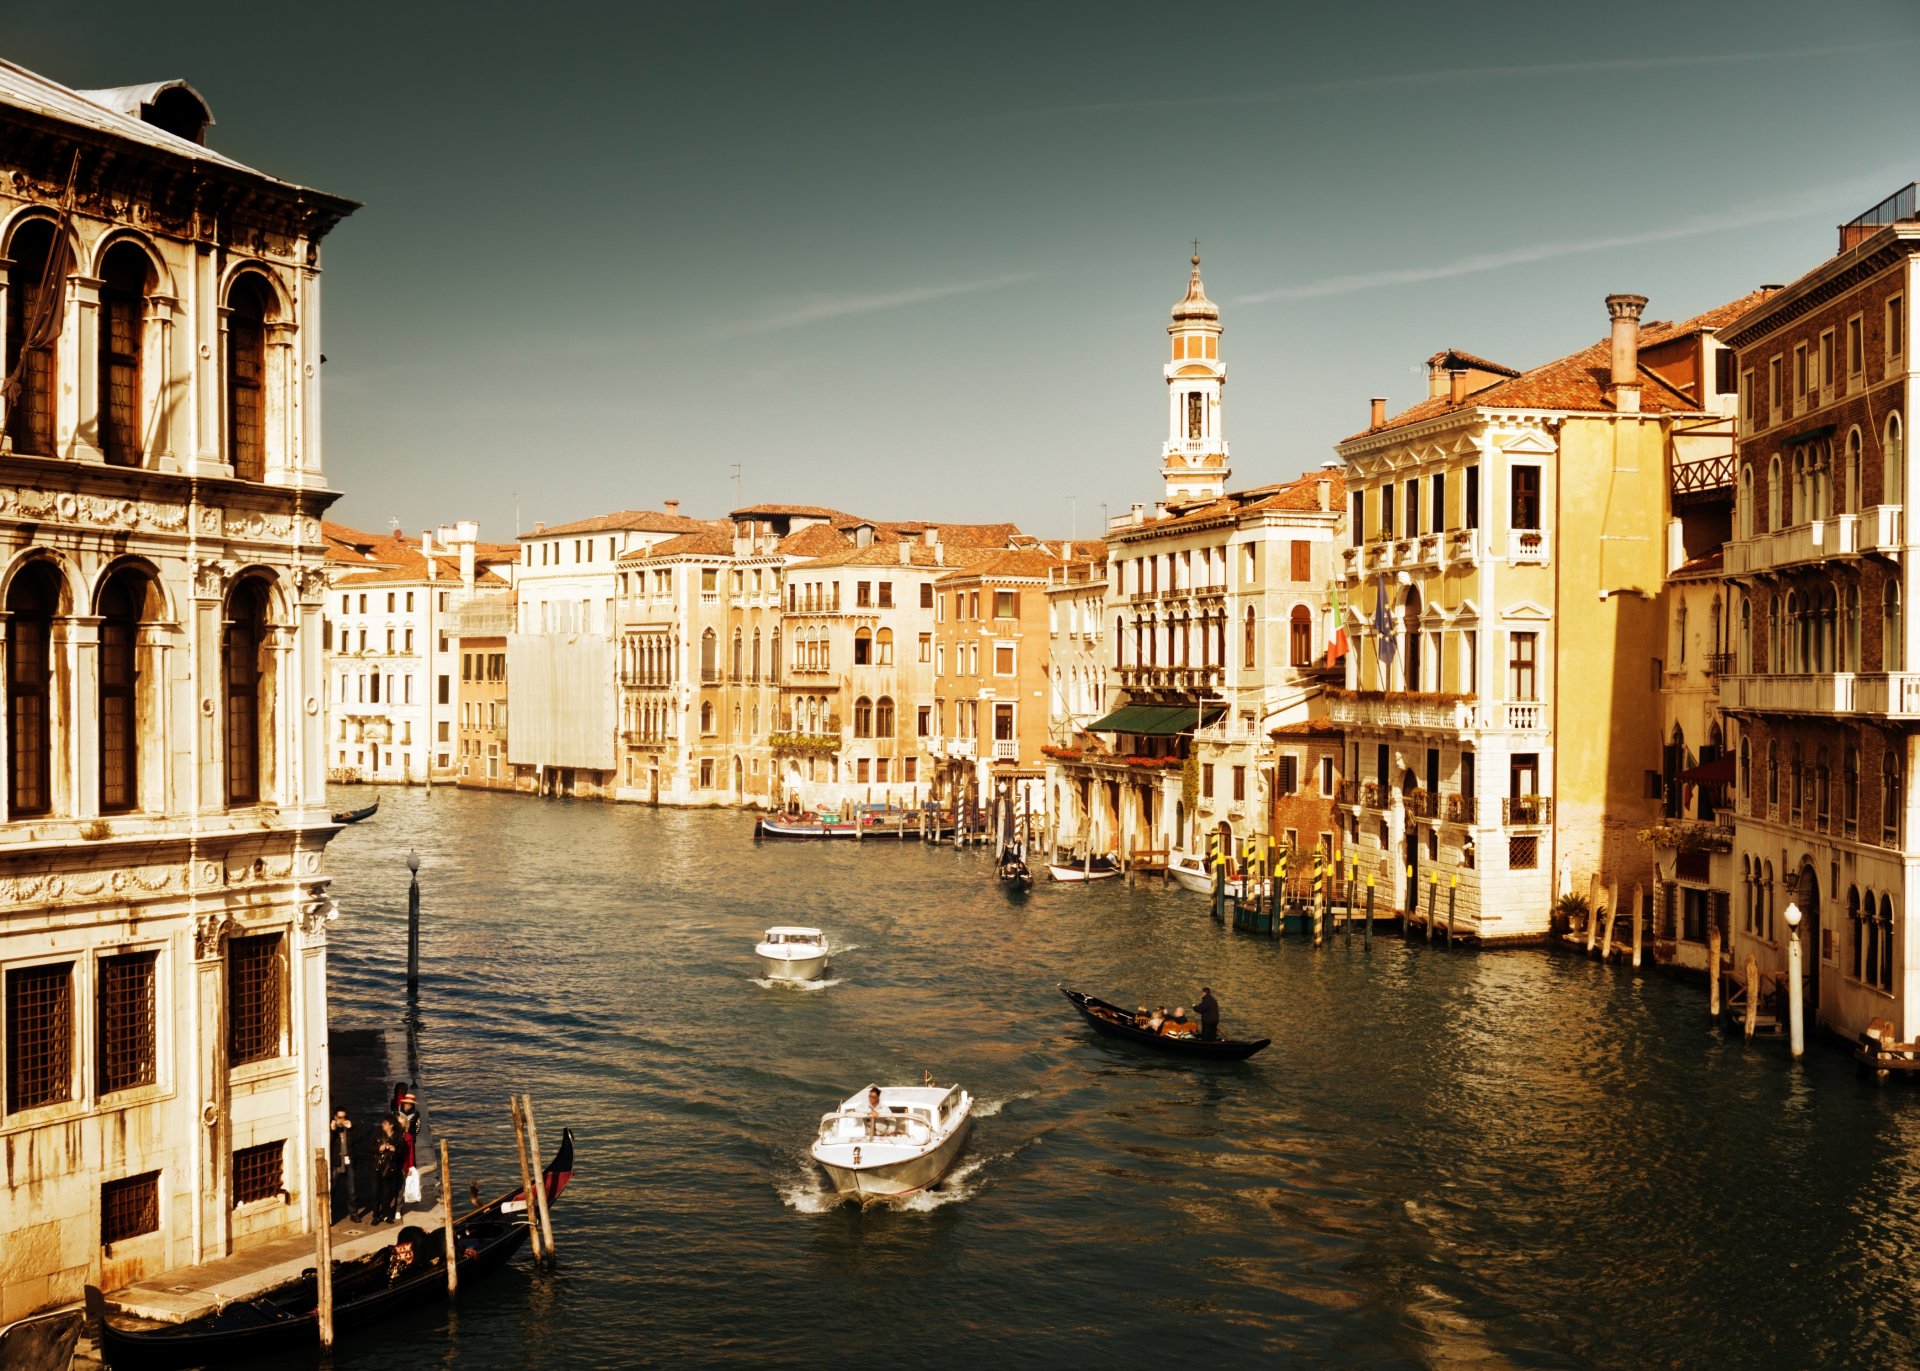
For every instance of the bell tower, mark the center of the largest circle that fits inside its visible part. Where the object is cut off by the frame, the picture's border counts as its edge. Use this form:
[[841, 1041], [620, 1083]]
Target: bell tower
[[1194, 461]]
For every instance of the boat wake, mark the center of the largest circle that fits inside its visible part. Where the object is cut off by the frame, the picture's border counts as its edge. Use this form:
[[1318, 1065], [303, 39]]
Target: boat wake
[[807, 1195], [772, 982], [986, 1109]]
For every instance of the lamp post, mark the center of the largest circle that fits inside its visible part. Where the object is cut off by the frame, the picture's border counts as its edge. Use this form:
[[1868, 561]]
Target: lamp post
[[413, 923], [1796, 1030]]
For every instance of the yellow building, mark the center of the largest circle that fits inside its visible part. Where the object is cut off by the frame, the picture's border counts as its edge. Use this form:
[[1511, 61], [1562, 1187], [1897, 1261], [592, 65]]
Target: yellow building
[[1509, 550]]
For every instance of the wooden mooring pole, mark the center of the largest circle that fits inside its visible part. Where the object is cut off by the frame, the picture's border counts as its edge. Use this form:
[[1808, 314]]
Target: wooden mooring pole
[[413, 923], [1453, 890], [1433, 899], [1367, 942], [526, 1176], [323, 1244], [1638, 921], [539, 1176], [1753, 994], [446, 1222], [1713, 968]]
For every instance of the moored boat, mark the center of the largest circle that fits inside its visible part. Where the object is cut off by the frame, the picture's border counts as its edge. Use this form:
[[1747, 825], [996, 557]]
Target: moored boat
[[354, 816], [792, 953], [1099, 868], [1191, 872], [886, 1141], [1114, 1022], [410, 1271]]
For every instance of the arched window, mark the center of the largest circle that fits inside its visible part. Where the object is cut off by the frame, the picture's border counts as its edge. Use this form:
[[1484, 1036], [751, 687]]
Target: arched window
[[1252, 627], [1773, 776], [774, 654], [1850, 645], [739, 655], [709, 657], [1858, 934], [863, 647], [1746, 636], [1893, 648], [247, 378], [863, 718], [35, 293], [883, 717], [883, 647], [1792, 661], [1851, 491], [1746, 501], [1885, 979], [125, 281], [1822, 788], [1894, 453], [33, 602], [245, 640], [1119, 643], [1850, 787], [1680, 633], [1796, 781], [123, 604], [706, 716], [756, 654], [1774, 494], [1746, 772], [1300, 635]]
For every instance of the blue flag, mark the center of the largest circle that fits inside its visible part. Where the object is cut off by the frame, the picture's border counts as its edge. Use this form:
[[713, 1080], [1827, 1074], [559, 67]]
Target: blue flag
[[1384, 642]]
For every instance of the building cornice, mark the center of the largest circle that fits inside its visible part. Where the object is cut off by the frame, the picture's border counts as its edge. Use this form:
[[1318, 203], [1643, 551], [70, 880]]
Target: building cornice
[[1830, 279]]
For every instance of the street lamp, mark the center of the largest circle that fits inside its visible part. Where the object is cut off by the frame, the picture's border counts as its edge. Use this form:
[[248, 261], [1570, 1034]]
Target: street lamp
[[1796, 1032]]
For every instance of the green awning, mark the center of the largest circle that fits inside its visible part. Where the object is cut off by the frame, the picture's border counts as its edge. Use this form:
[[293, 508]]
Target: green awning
[[1155, 720]]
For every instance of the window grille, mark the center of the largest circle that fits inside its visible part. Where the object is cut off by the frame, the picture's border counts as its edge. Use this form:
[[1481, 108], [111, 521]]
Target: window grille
[[126, 1021], [1523, 854], [257, 1173], [254, 998], [129, 1208], [39, 1036]]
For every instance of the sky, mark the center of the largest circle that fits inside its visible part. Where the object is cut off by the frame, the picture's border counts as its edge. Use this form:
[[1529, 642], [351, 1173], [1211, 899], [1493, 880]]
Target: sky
[[915, 261]]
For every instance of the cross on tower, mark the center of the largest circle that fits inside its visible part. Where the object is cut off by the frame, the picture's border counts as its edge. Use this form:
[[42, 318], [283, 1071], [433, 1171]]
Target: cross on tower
[[1196, 249]]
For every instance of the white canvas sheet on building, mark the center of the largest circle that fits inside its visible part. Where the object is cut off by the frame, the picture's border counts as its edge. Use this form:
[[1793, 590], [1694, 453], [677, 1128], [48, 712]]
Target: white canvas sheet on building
[[562, 700]]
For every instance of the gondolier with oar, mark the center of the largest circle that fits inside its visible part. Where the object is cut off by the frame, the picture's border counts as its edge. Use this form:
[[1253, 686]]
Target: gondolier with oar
[[1208, 1009]]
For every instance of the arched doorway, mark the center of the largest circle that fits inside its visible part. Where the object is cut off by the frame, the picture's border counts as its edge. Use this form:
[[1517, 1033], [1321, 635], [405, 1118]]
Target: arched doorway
[[1806, 894]]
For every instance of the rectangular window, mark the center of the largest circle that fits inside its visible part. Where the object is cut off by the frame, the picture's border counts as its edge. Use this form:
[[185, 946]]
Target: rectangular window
[[126, 1023], [129, 1208], [1206, 781], [256, 998], [1289, 783], [1800, 380], [1856, 346], [1386, 511], [926, 647], [1523, 852], [926, 595], [1746, 394], [924, 721], [880, 770], [1302, 560], [39, 1036], [1358, 532], [1239, 783], [1526, 497], [1776, 395], [1004, 604], [1470, 498], [885, 589], [1437, 513], [1466, 774], [1413, 507], [910, 770], [863, 594], [706, 773], [1896, 327], [862, 770], [446, 688], [1326, 775], [258, 1172], [1003, 659], [1522, 666], [1823, 363]]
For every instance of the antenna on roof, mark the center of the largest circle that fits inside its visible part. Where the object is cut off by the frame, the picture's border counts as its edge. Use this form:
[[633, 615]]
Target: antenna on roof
[[736, 485]]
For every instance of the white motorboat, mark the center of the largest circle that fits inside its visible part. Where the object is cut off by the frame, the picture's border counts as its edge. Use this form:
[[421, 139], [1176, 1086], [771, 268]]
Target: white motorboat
[[902, 1141], [792, 953], [1100, 868], [1191, 872]]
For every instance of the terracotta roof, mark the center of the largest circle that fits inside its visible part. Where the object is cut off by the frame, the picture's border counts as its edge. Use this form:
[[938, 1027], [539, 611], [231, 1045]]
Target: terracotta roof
[[802, 511], [1302, 493], [1708, 563], [1717, 318], [815, 540], [636, 520], [415, 573], [1308, 728], [888, 554], [706, 543], [1453, 359], [1019, 562]]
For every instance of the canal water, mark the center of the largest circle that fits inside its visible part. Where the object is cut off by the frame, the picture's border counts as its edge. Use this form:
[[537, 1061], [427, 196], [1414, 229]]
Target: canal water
[[1508, 1159]]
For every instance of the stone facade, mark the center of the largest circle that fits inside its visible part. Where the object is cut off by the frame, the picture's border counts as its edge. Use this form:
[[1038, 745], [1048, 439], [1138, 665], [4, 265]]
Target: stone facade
[[163, 942]]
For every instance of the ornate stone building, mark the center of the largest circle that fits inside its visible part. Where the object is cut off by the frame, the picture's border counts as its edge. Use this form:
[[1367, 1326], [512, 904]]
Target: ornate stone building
[[162, 905]]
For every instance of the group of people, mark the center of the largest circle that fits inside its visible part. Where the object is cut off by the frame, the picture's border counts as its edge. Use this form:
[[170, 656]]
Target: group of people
[[1176, 1024], [396, 1178]]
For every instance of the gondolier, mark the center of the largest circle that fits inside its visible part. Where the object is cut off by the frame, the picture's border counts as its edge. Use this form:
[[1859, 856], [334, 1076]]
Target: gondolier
[[1208, 1009]]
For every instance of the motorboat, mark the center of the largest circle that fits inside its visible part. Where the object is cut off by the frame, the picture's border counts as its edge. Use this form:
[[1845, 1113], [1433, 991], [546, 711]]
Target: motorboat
[[790, 953], [1191, 871], [902, 1142], [1098, 868]]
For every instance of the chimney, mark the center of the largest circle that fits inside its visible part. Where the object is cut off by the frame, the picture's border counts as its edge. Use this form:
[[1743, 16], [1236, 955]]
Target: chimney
[[906, 553], [1457, 385], [670, 506], [426, 543], [1378, 419], [931, 537], [1623, 388], [1325, 487], [1436, 378]]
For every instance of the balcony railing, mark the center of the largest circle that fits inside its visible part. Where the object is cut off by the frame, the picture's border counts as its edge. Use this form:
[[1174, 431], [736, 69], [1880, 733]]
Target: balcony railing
[[1526, 718], [1372, 795], [1527, 546], [1423, 804], [1461, 808], [1879, 529], [1006, 749], [1892, 695], [1388, 709], [1526, 811]]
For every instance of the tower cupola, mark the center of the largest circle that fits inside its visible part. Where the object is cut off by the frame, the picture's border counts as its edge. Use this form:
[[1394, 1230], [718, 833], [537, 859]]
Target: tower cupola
[[1194, 461]]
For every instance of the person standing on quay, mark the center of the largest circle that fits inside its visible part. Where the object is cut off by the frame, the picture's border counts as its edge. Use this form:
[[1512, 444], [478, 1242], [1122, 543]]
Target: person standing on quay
[[342, 1137], [386, 1172], [1208, 1009]]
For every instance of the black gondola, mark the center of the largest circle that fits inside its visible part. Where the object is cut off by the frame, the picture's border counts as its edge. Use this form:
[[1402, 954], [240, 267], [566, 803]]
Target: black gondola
[[354, 816], [1116, 1022], [410, 1271]]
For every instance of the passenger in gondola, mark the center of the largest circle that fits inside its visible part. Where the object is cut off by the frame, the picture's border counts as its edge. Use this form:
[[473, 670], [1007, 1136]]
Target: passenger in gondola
[[1179, 1026], [1158, 1019], [1209, 1010], [1141, 1015]]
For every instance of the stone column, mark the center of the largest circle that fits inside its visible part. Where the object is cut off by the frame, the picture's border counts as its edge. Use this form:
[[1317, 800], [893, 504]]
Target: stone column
[[162, 391], [79, 740], [77, 404]]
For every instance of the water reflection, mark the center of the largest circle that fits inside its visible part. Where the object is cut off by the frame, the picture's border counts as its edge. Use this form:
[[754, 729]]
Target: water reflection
[[1500, 1160]]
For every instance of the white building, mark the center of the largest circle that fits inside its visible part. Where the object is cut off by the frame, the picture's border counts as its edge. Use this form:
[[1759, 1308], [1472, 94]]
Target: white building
[[163, 908]]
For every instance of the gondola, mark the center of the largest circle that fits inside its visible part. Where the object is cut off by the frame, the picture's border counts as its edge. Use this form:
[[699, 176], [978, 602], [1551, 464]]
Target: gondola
[[1013, 874], [410, 1271], [1115, 1022], [354, 816]]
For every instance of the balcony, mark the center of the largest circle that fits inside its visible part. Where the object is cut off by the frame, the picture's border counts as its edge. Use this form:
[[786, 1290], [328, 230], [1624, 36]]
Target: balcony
[[1006, 749], [1526, 811], [1373, 795], [1461, 809], [1349, 568], [1894, 695], [1883, 528], [1527, 547], [1880, 529], [1423, 804], [1526, 718], [1388, 709]]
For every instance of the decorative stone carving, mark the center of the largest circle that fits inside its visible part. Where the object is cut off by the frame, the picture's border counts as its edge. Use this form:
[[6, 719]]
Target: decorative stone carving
[[210, 936], [210, 578], [70, 507], [312, 582]]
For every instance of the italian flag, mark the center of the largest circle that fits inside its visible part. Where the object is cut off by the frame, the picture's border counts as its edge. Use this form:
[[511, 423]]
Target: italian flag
[[1337, 644]]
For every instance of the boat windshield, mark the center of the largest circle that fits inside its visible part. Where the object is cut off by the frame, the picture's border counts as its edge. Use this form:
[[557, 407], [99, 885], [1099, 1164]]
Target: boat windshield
[[857, 1125]]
